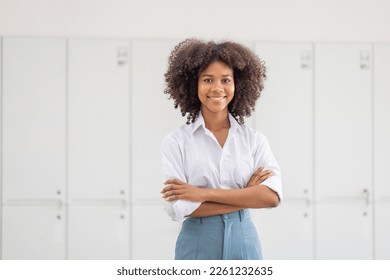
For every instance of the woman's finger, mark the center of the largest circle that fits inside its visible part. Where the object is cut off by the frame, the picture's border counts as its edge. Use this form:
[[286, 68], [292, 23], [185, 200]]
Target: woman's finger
[[172, 187], [264, 177], [258, 170], [174, 182], [173, 198], [255, 175], [171, 193]]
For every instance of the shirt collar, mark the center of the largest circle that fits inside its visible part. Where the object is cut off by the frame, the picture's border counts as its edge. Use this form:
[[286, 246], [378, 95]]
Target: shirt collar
[[234, 125], [198, 123]]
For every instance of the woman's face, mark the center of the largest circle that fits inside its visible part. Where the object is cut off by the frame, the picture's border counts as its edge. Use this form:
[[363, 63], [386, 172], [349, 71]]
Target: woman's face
[[216, 87]]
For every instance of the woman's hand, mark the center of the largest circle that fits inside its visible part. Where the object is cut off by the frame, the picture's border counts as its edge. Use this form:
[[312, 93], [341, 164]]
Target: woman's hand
[[259, 177], [177, 189]]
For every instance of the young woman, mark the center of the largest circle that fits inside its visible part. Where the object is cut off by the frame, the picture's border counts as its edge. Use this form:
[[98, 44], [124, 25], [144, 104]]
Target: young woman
[[215, 166]]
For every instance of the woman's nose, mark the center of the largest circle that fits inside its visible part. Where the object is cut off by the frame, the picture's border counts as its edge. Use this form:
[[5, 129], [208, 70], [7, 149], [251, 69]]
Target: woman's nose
[[217, 87]]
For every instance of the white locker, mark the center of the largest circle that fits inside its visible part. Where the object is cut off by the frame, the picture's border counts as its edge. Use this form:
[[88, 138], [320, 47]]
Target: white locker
[[382, 150], [154, 233], [382, 230], [382, 120], [344, 231], [153, 116], [343, 151], [284, 114], [33, 145], [99, 149], [34, 231], [343, 104], [286, 232], [99, 125], [99, 231]]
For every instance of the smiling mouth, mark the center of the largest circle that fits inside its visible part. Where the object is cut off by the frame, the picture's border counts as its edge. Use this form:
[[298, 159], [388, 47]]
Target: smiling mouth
[[216, 98]]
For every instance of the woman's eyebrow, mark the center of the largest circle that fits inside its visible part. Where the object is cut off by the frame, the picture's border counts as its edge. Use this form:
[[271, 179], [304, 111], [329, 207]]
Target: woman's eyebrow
[[211, 75]]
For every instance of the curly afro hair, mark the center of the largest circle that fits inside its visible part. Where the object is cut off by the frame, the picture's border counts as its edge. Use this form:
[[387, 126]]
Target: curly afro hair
[[190, 57]]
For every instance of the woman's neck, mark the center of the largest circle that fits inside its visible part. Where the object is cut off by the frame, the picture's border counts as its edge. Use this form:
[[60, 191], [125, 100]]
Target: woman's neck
[[216, 121]]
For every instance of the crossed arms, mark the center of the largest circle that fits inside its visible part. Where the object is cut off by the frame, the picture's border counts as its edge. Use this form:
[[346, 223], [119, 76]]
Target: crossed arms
[[221, 201]]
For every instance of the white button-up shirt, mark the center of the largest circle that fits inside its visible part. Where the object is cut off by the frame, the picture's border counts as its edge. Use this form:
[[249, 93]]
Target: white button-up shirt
[[193, 155]]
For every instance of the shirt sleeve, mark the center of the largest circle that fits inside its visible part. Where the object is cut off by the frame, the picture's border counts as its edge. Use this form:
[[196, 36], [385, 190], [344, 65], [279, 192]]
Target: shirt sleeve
[[173, 169], [264, 157]]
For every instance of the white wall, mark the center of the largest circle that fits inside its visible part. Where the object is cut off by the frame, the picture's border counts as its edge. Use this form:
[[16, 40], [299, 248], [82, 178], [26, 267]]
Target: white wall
[[298, 20]]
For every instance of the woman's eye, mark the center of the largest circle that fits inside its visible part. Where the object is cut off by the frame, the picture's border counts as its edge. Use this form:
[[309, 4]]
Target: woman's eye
[[207, 80], [225, 81]]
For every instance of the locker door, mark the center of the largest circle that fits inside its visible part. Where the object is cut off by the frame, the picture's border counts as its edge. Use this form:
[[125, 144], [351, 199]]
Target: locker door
[[154, 234], [153, 116], [343, 231], [343, 120], [99, 127], [382, 150], [382, 120], [33, 231], [284, 114], [99, 142], [286, 232], [343, 151], [382, 230], [99, 231], [33, 118]]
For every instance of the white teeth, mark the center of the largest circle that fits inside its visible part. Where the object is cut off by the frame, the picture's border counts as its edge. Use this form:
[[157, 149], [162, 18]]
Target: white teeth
[[217, 97]]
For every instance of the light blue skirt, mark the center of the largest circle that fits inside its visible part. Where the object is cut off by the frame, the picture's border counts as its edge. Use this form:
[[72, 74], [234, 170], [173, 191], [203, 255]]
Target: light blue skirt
[[230, 236]]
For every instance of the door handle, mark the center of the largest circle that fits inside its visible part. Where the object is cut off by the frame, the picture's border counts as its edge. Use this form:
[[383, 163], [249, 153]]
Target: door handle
[[98, 202], [305, 59], [364, 60], [35, 202], [366, 194]]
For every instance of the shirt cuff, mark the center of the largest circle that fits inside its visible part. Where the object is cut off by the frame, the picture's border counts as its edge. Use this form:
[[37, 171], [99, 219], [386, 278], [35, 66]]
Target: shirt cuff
[[275, 184], [179, 209]]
